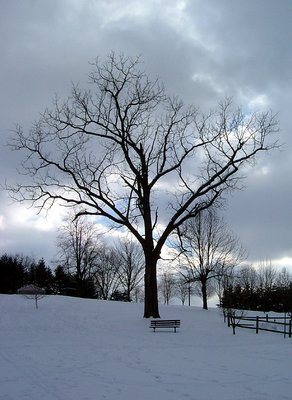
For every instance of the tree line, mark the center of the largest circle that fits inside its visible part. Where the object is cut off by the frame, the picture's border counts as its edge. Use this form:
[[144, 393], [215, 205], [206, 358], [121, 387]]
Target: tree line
[[263, 288], [105, 282], [18, 270], [86, 267], [202, 254], [204, 259]]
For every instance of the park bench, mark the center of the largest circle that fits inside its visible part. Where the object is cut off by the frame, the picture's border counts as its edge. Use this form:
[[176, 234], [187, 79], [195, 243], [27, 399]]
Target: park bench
[[165, 323]]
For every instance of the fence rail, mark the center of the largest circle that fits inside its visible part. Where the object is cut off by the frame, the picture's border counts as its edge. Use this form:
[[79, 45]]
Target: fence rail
[[235, 319]]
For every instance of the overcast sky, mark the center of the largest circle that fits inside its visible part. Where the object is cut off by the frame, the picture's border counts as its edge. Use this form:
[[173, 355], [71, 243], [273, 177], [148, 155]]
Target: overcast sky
[[203, 50]]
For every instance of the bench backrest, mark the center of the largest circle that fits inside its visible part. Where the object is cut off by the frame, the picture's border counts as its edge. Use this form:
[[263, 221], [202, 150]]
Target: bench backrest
[[165, 322]]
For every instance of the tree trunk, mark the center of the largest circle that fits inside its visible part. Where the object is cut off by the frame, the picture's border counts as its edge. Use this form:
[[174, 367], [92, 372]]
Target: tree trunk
[[204, 295], [128, 293], [151, 255], [151, 295]]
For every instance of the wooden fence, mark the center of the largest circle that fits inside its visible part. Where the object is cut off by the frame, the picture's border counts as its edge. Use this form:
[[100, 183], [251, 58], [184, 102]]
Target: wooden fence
[[276, 324]]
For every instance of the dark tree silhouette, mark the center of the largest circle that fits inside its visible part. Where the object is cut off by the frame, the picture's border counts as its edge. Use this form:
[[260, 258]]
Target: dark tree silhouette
[[13, 273], [41, 275]]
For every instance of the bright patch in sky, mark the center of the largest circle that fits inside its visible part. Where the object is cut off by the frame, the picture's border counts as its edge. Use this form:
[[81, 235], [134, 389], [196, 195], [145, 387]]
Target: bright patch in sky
[[284, 262], [27, 217], [259, 102], [262, 171], [2, 222]]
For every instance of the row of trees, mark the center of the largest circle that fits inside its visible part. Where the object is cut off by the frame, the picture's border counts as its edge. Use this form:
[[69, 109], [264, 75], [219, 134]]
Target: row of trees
[[204, 253], [86, 266], [262, 288], [109, 278], [204, 261], [111, 269], [201, 257], [17, 271]]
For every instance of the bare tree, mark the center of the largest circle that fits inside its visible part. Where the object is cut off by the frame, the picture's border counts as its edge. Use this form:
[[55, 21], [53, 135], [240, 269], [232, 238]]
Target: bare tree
[[127, 152], [223, 281], [106, 272], [284, 286], [267, 276], [204, 291], [167, 286], [284, 279], [131, 266], [138, 294], [209, 251], [247, 278], [78, 250], [184, 289]]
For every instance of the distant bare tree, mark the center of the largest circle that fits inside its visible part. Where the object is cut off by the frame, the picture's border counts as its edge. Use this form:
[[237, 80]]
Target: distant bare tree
[[208, 251], [78, 250], [127, 152], [131, 268], [138, 294], [183, 289], [167, 286], [223, 281], [267, 276], [205, 291], [247, 278], [284, 278], [106, 272], [284, 284]]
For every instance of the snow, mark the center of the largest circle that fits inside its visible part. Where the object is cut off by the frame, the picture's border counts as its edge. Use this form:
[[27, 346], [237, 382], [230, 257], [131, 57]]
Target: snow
[[79, 349]]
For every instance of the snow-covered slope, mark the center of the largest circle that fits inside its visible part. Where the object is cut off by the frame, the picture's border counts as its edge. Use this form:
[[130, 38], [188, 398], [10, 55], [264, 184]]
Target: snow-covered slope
[[75, 349]]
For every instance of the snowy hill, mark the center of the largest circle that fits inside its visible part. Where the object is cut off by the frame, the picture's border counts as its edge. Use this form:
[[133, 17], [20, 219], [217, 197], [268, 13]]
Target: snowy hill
[[76, 349]]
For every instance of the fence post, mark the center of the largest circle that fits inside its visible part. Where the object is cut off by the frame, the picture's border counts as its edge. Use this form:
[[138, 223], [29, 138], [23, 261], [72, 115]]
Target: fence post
[[257, 324], [290, 327], [267, 317]]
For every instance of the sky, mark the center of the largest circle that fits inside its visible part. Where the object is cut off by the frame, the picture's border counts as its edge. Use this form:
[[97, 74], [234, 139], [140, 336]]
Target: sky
[[203, 50]]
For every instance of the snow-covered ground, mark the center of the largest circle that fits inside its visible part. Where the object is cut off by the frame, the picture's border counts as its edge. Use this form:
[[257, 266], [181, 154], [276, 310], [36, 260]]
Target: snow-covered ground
[[74, 349]]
